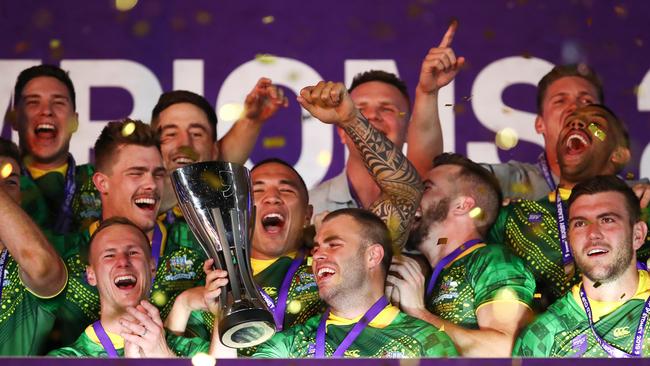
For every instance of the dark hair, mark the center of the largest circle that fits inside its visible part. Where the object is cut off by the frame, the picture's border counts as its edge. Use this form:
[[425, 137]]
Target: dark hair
[[284, 163], [168, 99], [562, 71], [373, 229], [608, 183], [43, 70], [116, 134], [477, 182], [9, 149], [84, 253], [384, 77]]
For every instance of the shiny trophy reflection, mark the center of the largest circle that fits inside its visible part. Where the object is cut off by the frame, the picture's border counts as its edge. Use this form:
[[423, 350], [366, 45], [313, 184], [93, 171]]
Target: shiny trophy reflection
[[215, 198]]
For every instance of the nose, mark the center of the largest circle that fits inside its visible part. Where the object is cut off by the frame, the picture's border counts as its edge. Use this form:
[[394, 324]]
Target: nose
[[594, 232], [123, 260], [271, 196], [577, 123]]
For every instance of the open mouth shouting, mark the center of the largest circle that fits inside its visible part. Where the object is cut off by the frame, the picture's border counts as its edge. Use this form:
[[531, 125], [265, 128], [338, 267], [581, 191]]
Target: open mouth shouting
[[46, 131], [273, 222], [596, 252], [125, 282], [577, 142], [324, 273], [147, 203]]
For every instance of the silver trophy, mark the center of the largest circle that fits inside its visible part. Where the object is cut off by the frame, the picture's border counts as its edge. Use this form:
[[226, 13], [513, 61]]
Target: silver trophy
[[215, 198]]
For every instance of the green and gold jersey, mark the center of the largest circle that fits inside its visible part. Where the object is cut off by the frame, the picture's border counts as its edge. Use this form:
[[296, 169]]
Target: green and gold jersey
[[33, 202], [86, 202], [25, 319], [392, 334], [180, 267], [480, 276], [88, 345], [563, 330]]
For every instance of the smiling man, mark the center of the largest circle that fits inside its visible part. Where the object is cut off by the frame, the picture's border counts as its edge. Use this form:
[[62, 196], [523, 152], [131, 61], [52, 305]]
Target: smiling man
[[606, 314], [593, 141]]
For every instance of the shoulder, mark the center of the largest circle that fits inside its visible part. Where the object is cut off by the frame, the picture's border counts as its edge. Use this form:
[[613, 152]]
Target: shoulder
[[78, 349], [435, 343]]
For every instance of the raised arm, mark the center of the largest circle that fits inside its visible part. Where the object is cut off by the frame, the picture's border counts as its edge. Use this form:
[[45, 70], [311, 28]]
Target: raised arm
[[439, 68], [399, 181], [41, 268], [261, 104]]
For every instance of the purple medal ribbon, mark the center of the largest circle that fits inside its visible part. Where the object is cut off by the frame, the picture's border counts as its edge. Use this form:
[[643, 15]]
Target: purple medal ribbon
[[542, 164], [278, 308], [105, 340], [65, 215], [567, 257], [448, 259], [637, 345], [3, 265], [374, 310], [156, 244]]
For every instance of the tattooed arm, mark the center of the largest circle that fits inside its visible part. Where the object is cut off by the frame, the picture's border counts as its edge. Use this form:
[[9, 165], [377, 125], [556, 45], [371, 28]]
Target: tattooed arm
[[399, 181]]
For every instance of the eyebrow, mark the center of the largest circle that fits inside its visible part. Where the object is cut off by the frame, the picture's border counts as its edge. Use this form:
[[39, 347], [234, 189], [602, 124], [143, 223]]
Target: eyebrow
[[600, 216], [60, 96]]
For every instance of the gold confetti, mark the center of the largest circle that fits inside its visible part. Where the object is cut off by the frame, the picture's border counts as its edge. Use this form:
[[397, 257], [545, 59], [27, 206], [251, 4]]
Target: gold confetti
[[324, 158], [125, 5], [442, 328], [203, 359], [141, 28], [597, 132], [128, 129], [537, 295], [629, 176], [268, 19], [55, 43], [476, 213], [231, 111], [265, 58], [402, 114], [6, 170], [506, 139], [621, 11], [213, 180], [442, 241], [294, 307], [203, 17], [274, 142], [521, 188]]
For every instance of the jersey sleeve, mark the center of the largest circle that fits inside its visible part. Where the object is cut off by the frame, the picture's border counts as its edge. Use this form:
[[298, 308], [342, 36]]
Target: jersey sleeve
[[536, 340], [279, 346]]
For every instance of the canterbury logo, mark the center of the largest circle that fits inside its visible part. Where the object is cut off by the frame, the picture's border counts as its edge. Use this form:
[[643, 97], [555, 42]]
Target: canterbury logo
[[621, 332]]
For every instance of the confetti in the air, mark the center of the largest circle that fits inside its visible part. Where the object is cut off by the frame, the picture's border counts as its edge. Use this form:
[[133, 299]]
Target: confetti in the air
[[128, 129], [213, 180], [274, 142], [6, 170], [268, 19], [507, 138], [442, 241], [125, 5], [476, 213], [597, 132], [203, 359]]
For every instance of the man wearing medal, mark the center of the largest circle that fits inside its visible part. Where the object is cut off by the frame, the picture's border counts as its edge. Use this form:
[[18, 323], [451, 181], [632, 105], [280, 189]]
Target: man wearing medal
[[606, 314], [352, 252], [592, 142], [32, 274], [481, 294], [122, 267]]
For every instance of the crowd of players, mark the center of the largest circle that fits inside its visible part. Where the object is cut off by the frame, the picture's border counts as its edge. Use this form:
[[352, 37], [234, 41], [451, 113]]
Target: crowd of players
[[427, 254]]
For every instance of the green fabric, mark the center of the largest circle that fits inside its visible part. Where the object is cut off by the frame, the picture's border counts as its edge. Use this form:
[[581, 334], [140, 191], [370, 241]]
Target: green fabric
[[25, 320], [486, 274], [85, 347], [33, 202], [552, 333], [180, 267], [404, 337]]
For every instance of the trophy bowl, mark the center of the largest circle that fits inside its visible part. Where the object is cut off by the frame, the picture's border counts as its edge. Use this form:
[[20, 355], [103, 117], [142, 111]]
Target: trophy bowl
[[216, 201]]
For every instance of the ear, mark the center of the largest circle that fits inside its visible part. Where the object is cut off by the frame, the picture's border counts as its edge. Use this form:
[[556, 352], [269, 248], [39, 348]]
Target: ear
[[101, 182], [12, 118], [375, 254], [540, 127], [621, 156], [74, 123], [342, 135], [310, 213], [215, 150], [462, 205], [90, 276], [639, 234]]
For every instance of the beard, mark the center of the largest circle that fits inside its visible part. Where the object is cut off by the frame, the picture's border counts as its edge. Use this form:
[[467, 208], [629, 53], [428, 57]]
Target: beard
[[420, 229], [611, 271]]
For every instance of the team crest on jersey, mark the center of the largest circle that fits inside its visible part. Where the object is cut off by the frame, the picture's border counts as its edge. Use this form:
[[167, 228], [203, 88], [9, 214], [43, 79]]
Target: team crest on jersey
[[311, 349], [448, 290], [6, 282], [352, 353], [535, 217], [180, 268], [621, 332]]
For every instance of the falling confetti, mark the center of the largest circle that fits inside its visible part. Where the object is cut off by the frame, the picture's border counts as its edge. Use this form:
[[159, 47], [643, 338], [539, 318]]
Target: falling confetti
[[621, 11], [629, 176], [6, 170], [476, 213], [213, 180], [506, 139], [537, 295], [324, 158], [294, 307], [597, 132], [230, 112], [125, 5], [128, 129], [268, 19], [141, 28], [442, 241], [274, 142], [442, 328], [597, 284], [265, 58], [203, 359], [203, 17], [55, 43]]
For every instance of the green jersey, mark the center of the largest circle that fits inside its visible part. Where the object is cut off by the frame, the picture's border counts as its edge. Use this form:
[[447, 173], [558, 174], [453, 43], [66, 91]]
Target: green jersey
[[25, 319], [481, 275], [563, 330], [404, 336], [88, 345], [33, 202], [180, 267]]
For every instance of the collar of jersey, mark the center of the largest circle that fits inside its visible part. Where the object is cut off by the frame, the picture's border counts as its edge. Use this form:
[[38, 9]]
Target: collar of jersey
[[382, 320], [37, 173], [466, 253], [564, 193], [602, 308], [259, 265], [116, 339], [93, 227]]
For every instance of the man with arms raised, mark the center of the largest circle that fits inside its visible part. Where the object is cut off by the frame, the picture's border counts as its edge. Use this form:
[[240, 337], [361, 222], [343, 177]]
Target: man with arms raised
[[480, 294], [121, 267], [606, 314], [32, 274]]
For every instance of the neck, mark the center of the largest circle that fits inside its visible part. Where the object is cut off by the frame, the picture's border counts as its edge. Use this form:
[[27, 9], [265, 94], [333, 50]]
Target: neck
[[46, 165], [553, 164], [435, 252], [622, 288], [110, 319], [358, 303], [168, 198], [566, 183], [364, 185]]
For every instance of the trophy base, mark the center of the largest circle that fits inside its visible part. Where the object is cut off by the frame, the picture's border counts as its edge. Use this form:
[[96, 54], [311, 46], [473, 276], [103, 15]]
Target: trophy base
[[246, 328]]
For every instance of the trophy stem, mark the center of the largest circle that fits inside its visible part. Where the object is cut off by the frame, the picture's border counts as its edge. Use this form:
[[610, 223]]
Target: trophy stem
[[242, 260], [225, 248]]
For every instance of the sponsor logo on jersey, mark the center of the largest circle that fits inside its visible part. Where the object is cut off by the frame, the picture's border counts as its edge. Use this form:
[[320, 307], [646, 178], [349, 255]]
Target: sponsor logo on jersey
[[180, 268]]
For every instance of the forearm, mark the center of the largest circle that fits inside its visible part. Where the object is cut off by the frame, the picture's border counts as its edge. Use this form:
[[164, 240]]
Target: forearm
[[176, 321], [217, 349], [395, 175], [238, 143], [424, 139], [41, 267]]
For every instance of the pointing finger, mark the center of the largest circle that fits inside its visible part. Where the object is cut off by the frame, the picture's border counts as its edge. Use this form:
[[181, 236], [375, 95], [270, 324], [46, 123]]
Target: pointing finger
[[449, 35]]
